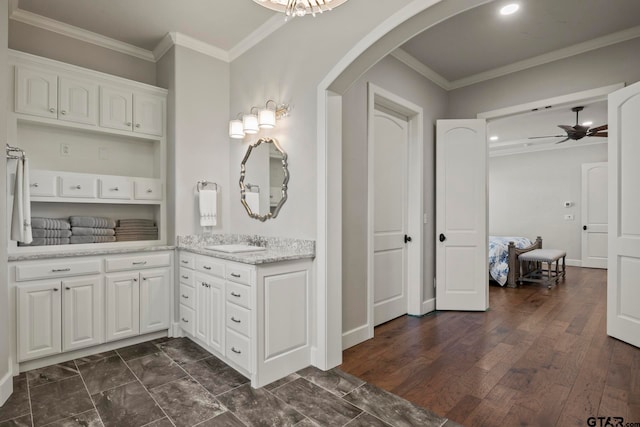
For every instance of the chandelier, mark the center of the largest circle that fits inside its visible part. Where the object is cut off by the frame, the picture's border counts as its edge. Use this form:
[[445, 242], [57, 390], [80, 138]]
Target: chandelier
[[300, 7]]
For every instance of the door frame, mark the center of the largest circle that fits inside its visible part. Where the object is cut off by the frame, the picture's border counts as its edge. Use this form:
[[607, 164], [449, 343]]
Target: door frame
[[377, 96], [584, 214]]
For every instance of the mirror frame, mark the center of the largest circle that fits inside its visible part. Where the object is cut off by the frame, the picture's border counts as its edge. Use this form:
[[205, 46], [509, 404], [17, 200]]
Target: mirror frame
[[285, 181]]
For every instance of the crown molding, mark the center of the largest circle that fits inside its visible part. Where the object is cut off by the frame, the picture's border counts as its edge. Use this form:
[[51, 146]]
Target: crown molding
[[262, 32], [180, 39], [577, 49], [163, 47], [58, 27], [412, 62]]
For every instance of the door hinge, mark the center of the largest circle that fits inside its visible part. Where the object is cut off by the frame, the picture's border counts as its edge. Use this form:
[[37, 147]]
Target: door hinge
[[434, 283]]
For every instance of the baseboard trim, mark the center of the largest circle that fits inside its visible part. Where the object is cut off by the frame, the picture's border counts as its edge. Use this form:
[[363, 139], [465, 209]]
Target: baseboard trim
[[428, 306], [355, 336], [176, 330], [574, 262], [6, 387]]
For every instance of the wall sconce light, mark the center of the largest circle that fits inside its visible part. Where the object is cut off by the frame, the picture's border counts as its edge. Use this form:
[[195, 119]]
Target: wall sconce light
[[264, 119]]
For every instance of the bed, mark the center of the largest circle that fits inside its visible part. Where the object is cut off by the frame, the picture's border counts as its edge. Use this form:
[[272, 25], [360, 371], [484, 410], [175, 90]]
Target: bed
[[504, 267]]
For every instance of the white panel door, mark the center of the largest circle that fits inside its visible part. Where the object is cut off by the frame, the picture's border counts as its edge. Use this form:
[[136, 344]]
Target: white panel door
[[116, 108], [123, 305], [78, 101], [148, 114], [389, 154], [623, 282], [461, 215], [595, 215], [217, 314], [203, 307], [39, 321], [154, 300], [36, 92], [82, 314]]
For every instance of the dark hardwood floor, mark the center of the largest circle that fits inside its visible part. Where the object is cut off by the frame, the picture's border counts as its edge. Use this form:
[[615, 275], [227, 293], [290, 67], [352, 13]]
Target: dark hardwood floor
[[538, 357]]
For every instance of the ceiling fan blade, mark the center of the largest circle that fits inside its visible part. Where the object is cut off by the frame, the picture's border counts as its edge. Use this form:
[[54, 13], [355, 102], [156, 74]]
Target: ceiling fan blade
[[548, 136], [599, 128], [600, 134], [560, 142], [567, 128]]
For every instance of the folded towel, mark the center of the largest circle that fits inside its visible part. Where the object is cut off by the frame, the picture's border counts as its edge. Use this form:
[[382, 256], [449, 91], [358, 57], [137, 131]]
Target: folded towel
[[208, 202], [136, 222], [46, 241], [50, 223], [92, 222], [21, 214], [92, 239], [85, 231], [136, 230], [135, 238], [41, 232]]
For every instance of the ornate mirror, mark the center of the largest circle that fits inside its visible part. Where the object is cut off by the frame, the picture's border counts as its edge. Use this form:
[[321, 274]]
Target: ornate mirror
[[263, 179]]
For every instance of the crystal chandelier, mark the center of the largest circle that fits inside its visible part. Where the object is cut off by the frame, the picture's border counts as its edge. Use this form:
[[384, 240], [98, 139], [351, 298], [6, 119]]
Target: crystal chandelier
[[300, 7]]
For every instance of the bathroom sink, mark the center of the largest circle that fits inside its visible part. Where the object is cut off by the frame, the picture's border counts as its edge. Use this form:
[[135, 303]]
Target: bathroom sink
[[234, 249]]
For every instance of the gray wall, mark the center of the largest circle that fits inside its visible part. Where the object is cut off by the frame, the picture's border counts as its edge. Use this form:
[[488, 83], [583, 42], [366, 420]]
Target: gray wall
[[5, 340], [527, 192], [34, 40], [399, 79]]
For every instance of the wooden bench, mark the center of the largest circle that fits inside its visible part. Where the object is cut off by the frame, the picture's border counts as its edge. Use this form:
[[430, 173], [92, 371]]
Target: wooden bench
[[536, 261]]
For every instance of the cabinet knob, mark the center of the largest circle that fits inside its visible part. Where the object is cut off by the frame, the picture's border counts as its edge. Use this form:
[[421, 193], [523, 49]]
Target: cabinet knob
[[35, 184], [135, 280], [137, 125], [78, 187], [52, 110], [63, 112], [185, 320], [115, 189], [235, 351], [149, 190], [67, 288], [129, 123], [55, 289], [144, 278]]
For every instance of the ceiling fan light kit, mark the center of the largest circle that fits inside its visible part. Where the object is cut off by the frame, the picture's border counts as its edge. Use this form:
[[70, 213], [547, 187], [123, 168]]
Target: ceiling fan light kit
[[293, 8], [577, 131]]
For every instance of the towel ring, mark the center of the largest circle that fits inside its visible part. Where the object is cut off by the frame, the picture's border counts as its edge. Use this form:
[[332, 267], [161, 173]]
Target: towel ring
[[201, 185]]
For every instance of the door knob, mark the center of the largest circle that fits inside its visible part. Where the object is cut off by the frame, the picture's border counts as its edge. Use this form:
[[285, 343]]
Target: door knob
[[584, 227], [407, 238], [442, 237]]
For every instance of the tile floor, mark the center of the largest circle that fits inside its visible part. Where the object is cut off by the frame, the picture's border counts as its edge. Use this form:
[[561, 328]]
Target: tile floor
[[175, 382]]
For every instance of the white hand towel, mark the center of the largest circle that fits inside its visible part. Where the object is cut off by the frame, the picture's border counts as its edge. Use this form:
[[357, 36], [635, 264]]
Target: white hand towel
[[253, 200], [208, 208], [21, 214]]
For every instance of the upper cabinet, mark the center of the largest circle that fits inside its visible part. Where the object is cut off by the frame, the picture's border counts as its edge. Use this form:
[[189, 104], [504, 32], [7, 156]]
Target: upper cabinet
[[36, 92], [137, 112], [77, 101], [148, 114]]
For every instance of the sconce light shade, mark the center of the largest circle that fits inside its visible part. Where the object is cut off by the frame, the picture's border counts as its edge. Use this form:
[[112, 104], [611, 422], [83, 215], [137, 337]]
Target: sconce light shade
[[267, 118], [250, 124], [236, 130]]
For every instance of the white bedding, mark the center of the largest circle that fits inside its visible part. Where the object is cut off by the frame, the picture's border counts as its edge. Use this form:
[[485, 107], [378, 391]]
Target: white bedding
[[499, 255]]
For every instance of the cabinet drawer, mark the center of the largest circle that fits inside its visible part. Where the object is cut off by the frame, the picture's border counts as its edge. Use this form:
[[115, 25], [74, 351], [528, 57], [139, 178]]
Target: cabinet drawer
[[186, 276], [238, 319], [115, 187], [77, 186], [238, 274], [135, 262], [43, 183], [187, 319], [237, 349], [147, 189], [210, 266], [50, 270], [187, 260], [238, 294], [187, 296]]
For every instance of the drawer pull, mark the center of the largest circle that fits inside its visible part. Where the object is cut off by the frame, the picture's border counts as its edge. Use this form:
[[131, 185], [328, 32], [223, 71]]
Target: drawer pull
[[233, 294], [149, 190], [139, 263], [60, 270], [78, 187], [206, 267], [233, 319], [185, 277], [185, 296], [206, 285], [35, 184], [184, 261], [235, 351], [115, 189], [68, 288], [235, 275], [185, 320], [55, 289]]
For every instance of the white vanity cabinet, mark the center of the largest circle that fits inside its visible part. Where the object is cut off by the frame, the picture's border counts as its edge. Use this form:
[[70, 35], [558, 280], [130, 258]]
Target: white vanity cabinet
[[254, 317], [73, 303]]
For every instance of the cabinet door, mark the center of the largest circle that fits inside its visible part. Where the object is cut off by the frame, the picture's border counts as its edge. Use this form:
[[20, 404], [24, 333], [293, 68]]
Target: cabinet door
[[78, 101], [154, 300], [148, 114], [123, 305], [36, 92], [203, 307], [216, 337], [82, 318], [116, 108], [39, 322]]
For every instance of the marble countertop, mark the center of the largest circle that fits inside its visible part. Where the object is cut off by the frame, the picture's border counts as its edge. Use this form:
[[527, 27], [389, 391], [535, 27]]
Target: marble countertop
[[277, 249], [86, 252]]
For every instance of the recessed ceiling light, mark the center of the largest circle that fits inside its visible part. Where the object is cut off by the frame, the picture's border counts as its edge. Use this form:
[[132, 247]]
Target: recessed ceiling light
[[509, 9], [493, 138], [587, 123]]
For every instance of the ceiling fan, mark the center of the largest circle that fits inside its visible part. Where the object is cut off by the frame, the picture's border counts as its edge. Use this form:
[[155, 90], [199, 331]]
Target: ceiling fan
[[578, 131]]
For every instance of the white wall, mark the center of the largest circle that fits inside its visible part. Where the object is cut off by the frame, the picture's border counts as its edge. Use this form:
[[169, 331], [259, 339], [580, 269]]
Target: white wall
[[5, 357], [392, 75], [527, 192]]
